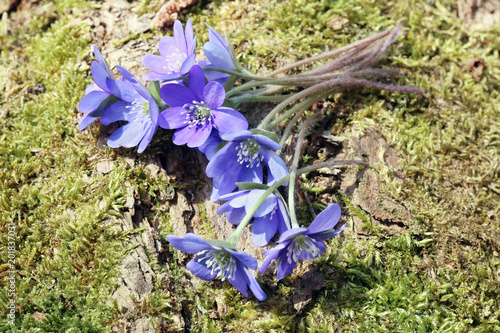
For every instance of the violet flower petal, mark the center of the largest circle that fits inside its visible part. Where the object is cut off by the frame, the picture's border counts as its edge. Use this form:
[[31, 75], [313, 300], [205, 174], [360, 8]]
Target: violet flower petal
[[227, 119], [200, 270], [190, 243], [99, 74], [116, 112], [263, 230], [127, 136], [172, 118], [91, 101], [197, 83], [326, 220], [176, 95], [160, 65], [213, 93]]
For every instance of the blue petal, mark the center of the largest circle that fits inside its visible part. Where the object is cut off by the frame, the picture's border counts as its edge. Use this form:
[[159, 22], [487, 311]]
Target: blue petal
[[254, 286], [218, 164], [284, 223], [263, 229], [152, 76], [226, 184], [190, 243], [284, 267], [146, 139], [213, 94], [102, 61], [236, 202], [156, 64], [197, 82], [141, 89], [291, 233], [239, 281], [187, 64], [167, 45], [179, 37], [123, 90], [99, 74], [200, 136], [271, 255], [265, 207], [251, 175], [227, 120], [326, 220], [85, 121], [127, 136], [172, 118], [190, 38], [306, 256], [239, 135], [266, 142], [176, 95], [276, 166], [215, 37], [153, 111], [200, 271], [236, 215], [91, 87], [235, 195], [218, 56], [126, 74], [246, 259], [116, 112], [327, 235], [182, 135], [91, 101], [224, 208]]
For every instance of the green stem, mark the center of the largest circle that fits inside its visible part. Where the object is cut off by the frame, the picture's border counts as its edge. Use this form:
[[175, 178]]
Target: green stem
[[251, 97], [245, 75], [318, 88], [293, 172], [300, 108]]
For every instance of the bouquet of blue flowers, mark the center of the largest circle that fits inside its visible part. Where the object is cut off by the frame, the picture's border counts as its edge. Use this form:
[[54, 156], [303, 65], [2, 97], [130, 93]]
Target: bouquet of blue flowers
[[200, 101]]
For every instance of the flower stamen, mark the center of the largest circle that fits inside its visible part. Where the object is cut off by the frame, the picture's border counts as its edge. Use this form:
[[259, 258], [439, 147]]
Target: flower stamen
[[174, 61], [219, 261], [140, 109], [197, 113], [249, 153], [303, 248]]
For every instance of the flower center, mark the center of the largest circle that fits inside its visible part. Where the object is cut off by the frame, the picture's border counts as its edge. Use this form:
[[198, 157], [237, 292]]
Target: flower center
[[302, 248], [197, 113], [249, 153], [140, 109], [174, 61], [220, 262]]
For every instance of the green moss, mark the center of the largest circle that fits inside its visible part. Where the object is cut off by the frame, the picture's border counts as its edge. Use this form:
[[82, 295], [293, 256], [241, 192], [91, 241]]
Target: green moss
[[441, 274]]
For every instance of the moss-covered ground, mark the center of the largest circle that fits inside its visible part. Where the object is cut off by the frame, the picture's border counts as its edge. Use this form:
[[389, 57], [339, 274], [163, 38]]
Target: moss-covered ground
[[442, 274]]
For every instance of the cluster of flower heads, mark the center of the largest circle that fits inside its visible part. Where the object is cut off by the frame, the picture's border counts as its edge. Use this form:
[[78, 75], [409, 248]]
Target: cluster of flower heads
[[192, 99]]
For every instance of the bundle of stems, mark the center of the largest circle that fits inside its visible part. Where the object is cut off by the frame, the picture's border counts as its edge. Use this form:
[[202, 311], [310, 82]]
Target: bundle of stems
[[350, 66]]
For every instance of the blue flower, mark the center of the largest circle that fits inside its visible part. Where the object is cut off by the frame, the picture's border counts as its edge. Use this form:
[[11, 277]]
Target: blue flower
[[177, 55], [218, 52], [136, 106], [271, 216], [303, 243], [97, 95], [241, 161], [197, 109], [209, 148], [214, 259]]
